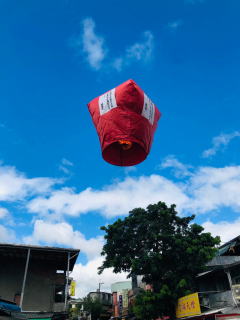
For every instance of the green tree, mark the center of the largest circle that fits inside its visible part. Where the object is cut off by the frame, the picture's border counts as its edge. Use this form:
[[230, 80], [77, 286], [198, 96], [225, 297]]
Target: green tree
[[93, 306], [167, 250]]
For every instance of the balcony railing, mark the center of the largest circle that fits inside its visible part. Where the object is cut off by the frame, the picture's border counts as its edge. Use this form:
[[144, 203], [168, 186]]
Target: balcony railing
[[216, 299]]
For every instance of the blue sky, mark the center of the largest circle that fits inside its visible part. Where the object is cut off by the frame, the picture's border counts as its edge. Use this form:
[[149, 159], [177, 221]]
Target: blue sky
[[56, 56]]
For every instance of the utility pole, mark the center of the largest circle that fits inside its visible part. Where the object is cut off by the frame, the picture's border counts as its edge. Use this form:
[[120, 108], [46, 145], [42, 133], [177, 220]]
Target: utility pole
[[99, 286]]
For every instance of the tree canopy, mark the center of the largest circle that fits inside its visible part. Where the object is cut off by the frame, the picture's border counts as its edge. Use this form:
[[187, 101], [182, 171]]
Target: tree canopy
[[164, 248], [93, 306]]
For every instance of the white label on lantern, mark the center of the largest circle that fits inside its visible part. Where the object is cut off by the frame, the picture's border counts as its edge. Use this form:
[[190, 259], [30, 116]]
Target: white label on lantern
[[148, 110], [107, 102]]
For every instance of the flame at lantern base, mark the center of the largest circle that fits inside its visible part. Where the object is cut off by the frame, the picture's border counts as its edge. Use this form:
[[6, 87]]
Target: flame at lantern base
[[125, 144]]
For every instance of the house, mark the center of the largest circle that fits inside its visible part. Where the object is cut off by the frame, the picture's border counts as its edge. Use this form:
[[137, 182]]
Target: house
[[36, 279], [219, 286]]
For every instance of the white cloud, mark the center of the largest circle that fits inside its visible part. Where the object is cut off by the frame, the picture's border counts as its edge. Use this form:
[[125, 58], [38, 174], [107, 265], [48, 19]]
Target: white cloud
[[92, 44], [16, 186], [7, 235], [174, 25], [62, 234], [200, 191], [64, 169], [128, 170], [66, 162], [204, 190], [226, 230], [212, 188], [139, 51], [3, 213], [93, 47], [88, 279], [113, 200], [179, 169], [118, 63], [219, 142], [65, 166]]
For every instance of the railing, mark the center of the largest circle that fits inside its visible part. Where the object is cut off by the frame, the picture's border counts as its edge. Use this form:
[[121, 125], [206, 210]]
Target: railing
[[216, 299]]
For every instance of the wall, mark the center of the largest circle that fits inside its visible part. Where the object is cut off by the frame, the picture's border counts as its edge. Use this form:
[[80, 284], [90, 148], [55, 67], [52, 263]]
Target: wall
[[11, 277], [39, 292], [104, 297], [40, 283]]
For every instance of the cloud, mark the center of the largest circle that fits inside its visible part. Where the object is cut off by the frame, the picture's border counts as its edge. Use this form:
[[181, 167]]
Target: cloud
[[90, 44], [66, 162], [219, 142], [7, 235], [16, 186], [174, 25], [128, 170], [214, 188], [88, 279], [3, 213], [180, 170], [62, 234], [116, 199], [93, 47], [139, 51], [201, 191], [65, 166], [226, 230]]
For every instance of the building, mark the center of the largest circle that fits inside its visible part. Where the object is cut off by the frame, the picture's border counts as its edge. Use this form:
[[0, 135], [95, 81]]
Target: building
[[120, 291], [219, 286], [218, 296], [105, 298], [36, 278], [76, 309]]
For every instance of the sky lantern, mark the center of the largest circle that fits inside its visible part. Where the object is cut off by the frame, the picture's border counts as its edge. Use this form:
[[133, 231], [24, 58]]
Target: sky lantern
[[125, 119]]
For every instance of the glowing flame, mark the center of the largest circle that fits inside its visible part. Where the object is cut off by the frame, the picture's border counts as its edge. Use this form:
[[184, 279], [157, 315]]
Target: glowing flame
[[125, 144]]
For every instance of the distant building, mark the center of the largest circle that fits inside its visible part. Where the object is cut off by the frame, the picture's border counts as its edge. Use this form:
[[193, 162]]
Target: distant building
[[121, 285], [105, 299], [120, 292], [36, 278]]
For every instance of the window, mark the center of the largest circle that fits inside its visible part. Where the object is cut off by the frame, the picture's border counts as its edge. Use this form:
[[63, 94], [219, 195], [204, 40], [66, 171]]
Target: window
[[59, 293]]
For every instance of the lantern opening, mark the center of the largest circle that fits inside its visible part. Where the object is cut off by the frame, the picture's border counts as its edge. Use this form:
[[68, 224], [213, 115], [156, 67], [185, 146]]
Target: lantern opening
[[115, 154], [125, 144]]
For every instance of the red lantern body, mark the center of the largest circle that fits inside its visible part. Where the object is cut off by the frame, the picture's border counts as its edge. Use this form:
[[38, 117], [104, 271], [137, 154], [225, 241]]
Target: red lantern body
[[125, 120]]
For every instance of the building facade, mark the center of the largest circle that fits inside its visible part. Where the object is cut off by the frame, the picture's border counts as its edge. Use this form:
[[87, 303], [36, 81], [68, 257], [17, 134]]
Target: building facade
[[219, 286], [36, 278]]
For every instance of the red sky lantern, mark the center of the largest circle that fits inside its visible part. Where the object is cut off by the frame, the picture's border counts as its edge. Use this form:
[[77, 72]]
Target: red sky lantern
[[125, 120]]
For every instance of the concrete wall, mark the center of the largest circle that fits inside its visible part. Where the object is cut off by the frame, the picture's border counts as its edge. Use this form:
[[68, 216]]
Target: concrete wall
[[40, 283], [39, 292], [11, 276]]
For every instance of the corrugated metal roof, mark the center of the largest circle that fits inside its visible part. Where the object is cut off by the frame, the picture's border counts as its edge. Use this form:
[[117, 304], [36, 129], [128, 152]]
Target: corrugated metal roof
[[54, 255]]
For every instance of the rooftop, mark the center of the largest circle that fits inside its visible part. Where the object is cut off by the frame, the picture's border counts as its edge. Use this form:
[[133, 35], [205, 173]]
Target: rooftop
[[54, 255]]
